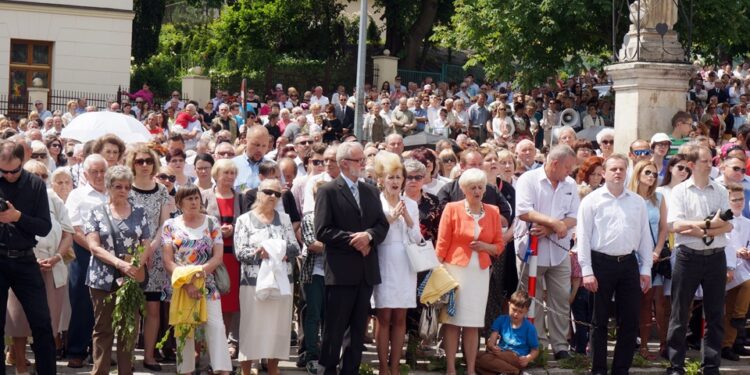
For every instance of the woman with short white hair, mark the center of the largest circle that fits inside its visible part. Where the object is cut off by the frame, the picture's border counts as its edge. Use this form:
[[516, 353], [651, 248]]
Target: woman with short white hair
[[468, 235], [606, 141]]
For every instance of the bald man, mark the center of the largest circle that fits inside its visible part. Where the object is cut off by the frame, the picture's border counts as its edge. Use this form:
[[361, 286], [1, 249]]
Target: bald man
[[248, 163]]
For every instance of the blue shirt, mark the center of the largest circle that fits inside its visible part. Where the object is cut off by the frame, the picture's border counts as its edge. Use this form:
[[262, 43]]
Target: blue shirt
[[247, 173], [420, 112], [519, 340]]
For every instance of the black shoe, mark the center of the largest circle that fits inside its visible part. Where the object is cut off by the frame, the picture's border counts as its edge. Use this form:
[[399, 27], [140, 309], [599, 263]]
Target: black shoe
[[727, 353], [153, 367], [562, 354], [301, 361], [740, 350]]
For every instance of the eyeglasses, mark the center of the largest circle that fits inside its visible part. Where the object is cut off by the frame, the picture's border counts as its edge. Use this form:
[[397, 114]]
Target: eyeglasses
[[164, 176], [177, 161], [355, 160], [683, 168], [608, 142], [663, 144], [12, 171], [641, 152], [317, 162], [147, 161], [121, 187], [739, 169], [414, 178], [39, 155], [270, 192], [649, 173], [586, 150]]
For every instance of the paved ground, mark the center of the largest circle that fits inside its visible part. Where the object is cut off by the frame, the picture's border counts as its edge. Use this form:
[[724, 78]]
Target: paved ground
[[288, 367]]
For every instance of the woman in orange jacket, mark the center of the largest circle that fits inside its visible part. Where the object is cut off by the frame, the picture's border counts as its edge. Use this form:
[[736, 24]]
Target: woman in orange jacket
[[469, 233]]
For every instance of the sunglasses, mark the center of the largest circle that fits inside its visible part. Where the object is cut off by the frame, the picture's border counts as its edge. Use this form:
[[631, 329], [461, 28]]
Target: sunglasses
[[270, 192], [317, 163], [305, 142], [55, 145], [641, 152], [147, 161], [39, 155], [739, 169], [414, 178], [649, 173], [12, 171], [448, 160], [164, 176], [608, 142], [683, 168], [43, 176], [663, 144]]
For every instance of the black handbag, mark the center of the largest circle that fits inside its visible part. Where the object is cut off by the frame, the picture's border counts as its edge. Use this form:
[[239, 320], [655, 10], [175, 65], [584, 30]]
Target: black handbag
[[663, 266]]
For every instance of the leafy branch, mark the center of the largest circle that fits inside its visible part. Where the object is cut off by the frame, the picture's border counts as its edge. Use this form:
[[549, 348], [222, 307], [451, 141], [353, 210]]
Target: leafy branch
[[129, 301]]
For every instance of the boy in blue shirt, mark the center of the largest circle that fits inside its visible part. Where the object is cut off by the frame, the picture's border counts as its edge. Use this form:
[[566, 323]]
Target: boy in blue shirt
[[513, 343]]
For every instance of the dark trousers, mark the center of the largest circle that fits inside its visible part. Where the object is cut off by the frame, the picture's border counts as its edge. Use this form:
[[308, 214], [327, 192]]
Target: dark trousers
[[23, 276], [622, 280], [582, 309], [82, 324], [710, 272], [347, 308], [314, 298]]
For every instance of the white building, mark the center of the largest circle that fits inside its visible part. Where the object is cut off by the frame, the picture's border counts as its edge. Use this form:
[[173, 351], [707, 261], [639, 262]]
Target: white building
[[79, 45]]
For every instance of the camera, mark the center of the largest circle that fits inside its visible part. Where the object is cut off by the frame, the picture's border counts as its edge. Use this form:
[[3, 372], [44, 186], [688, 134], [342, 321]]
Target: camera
[[3, 204], [725, 216]]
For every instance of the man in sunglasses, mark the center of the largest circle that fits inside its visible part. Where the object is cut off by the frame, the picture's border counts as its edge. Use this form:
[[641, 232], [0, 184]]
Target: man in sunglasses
[[24, 214], [733, 171], [640, 150]]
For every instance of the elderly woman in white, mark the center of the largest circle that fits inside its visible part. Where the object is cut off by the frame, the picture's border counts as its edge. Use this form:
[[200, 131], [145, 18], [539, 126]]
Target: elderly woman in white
[[49, 252]]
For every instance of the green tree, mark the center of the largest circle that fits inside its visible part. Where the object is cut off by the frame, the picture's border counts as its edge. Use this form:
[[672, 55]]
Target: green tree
[[409, 25], [530, 40], [146, 27]]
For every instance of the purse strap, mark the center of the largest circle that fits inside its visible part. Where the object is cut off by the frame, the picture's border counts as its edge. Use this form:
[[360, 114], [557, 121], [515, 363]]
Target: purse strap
[[114, 231]]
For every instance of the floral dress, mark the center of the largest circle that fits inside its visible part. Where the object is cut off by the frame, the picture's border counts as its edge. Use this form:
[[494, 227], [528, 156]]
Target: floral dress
[[133, 230], [194, 246], [153, 201]]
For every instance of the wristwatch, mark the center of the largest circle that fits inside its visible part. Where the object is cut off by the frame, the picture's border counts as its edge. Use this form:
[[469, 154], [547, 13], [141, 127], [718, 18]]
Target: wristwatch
[[369, 236]]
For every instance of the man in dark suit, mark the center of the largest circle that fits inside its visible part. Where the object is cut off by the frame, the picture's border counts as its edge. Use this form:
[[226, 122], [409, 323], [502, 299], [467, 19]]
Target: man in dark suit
[[350, 222], [345, 114], [451, 192]]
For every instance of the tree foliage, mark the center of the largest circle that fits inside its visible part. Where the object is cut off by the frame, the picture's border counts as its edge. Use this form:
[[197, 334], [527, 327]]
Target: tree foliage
[[146, 27], [529, 40]]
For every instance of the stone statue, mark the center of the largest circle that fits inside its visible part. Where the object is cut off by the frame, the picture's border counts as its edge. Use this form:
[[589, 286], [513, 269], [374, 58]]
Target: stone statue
[[653, 12], [647, 42]]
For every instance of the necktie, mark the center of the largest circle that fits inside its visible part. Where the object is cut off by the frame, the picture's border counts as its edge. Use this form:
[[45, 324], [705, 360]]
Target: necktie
[[355, 193]]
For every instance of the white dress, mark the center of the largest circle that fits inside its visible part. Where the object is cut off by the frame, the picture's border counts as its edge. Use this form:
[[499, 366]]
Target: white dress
[[398, 286]]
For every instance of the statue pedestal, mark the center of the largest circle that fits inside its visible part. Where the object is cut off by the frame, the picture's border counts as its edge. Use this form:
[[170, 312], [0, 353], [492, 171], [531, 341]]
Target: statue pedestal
[[198, 88], [652, 47], [647, 95]]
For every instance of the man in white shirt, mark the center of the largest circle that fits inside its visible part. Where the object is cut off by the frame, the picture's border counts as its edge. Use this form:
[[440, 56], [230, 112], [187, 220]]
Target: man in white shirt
[[318, 97], [547, 204], [612, 226], [80, 202], [700, 238]]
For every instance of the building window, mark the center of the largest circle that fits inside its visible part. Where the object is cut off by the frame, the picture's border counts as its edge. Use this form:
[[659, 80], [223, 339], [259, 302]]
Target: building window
[[30, 65]]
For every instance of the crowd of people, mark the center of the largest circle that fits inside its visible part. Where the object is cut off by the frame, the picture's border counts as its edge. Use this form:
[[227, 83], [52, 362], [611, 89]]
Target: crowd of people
[[280, 226]]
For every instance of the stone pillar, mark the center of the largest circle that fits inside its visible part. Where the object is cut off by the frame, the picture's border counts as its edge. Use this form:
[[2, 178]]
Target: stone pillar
[[38, 93], [647, 95], [387, 68], [196, 87]]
